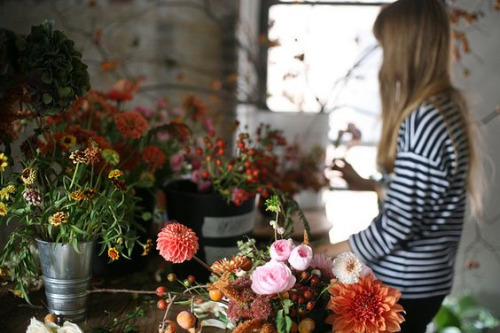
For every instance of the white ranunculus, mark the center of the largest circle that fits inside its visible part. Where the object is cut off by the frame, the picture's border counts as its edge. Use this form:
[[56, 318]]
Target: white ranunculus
[[37, 326], [347, 267], [69, 328]]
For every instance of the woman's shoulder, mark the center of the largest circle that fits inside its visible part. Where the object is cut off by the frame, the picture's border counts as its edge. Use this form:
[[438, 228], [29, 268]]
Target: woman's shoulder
[[427, 128]]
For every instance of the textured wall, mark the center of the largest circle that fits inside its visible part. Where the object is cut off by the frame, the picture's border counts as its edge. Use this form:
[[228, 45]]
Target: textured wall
[[481, 242]]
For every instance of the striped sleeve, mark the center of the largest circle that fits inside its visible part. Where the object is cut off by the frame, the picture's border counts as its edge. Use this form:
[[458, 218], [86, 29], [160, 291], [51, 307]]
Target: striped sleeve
[[420, 180], [417, 184]]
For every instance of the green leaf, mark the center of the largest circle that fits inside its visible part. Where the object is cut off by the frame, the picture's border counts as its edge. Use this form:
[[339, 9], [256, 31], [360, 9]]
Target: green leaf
[[446, 318], [47, 99], [283, 322], [47, 77], [65, 91]]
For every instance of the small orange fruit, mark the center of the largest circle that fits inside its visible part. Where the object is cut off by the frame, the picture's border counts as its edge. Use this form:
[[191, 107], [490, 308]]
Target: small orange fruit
[[50, 318], [215, 295], [307, 325], [186, 320]]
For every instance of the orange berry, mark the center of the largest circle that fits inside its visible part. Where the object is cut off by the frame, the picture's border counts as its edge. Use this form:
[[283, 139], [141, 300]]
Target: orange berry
[[186, 320], [307, 325], [161, 291], [50, 318], [161, 304], [215, 295]]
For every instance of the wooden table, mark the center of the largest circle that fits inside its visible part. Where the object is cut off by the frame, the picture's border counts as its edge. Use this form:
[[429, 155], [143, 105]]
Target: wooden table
[[15, 314]]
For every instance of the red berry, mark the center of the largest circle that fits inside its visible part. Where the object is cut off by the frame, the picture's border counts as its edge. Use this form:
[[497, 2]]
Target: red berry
[[205, 174], [161, 304], [310, 306], [304, 275], [302, 300], [307, 294], [218, 162], [160, 291], [314, 280], [191, 278]]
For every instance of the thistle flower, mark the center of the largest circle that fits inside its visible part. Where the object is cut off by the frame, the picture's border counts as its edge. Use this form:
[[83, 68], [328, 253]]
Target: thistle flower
[[28, 176], [4, 162], [33, 197], [58, 218]]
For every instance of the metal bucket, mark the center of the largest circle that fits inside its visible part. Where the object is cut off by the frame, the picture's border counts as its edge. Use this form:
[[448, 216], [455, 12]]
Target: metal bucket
[[66, 275]]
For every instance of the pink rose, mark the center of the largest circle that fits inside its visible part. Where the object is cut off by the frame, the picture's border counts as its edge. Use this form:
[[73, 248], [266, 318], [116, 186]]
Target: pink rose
[[280, 250], [271, 278], [301, 257], [176, 161]]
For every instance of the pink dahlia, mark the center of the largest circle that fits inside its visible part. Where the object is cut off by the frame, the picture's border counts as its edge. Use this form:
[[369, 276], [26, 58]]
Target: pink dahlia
[[177, 243]]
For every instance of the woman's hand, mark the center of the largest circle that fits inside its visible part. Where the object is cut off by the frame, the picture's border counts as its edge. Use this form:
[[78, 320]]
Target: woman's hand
[[354, 181]]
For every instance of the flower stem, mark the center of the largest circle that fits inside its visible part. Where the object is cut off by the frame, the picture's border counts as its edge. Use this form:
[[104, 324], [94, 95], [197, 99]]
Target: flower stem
[[201, 262]]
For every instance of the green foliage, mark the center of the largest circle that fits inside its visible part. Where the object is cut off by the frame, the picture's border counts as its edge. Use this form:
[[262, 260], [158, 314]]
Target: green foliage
[[51, 69], [464, 315]]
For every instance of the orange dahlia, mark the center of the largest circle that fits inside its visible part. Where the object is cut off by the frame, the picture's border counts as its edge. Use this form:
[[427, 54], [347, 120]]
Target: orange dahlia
[[131, 124], [154, 157], [366, 306], [177, 243]]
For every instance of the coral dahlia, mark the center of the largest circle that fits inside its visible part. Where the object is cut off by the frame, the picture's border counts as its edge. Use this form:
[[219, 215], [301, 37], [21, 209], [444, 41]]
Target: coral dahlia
[[366, 306], [177, 243]]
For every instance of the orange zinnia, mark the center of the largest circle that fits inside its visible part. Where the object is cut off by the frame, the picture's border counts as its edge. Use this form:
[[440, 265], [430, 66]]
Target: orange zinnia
[[366, 306]]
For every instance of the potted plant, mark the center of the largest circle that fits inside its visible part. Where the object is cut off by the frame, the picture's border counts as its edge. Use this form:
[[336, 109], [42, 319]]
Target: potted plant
[[60, 195], [223, 186]]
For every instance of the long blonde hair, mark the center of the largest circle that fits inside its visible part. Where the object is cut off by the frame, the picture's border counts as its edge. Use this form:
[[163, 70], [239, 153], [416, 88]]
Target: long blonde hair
[[415, 39]]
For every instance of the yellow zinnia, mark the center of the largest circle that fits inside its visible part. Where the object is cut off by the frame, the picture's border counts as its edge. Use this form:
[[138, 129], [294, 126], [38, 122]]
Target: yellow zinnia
[[115, 174], [4, 162], [6, 192], [113, 253], [3, 209]]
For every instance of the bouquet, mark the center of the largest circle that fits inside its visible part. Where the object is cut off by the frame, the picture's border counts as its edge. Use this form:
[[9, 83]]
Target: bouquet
[[66, 194], [238, 177], [281, 288]]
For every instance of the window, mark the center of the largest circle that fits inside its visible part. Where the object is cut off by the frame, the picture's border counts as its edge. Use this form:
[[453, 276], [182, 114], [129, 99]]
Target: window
[[322, 57]]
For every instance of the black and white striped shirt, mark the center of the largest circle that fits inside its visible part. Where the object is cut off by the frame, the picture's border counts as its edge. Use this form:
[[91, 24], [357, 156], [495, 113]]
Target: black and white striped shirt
[[413, 242]]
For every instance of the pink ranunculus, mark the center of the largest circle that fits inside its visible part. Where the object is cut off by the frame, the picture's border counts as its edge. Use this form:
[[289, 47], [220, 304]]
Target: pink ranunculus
[[280, 250], [176, 161], [271, 278], [301, 257]]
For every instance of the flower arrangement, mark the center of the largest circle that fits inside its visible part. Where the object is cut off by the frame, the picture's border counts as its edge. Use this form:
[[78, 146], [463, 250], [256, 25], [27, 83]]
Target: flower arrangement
[[281, 288], [302, 170], [67, 196], [238, 177], [146, 144]]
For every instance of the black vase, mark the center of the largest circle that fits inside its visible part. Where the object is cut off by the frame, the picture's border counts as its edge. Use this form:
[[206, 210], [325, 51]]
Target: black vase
[[101, 265], [217, 224]]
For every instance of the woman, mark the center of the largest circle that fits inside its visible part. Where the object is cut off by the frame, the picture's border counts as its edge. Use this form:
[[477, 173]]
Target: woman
[[426, 145]]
